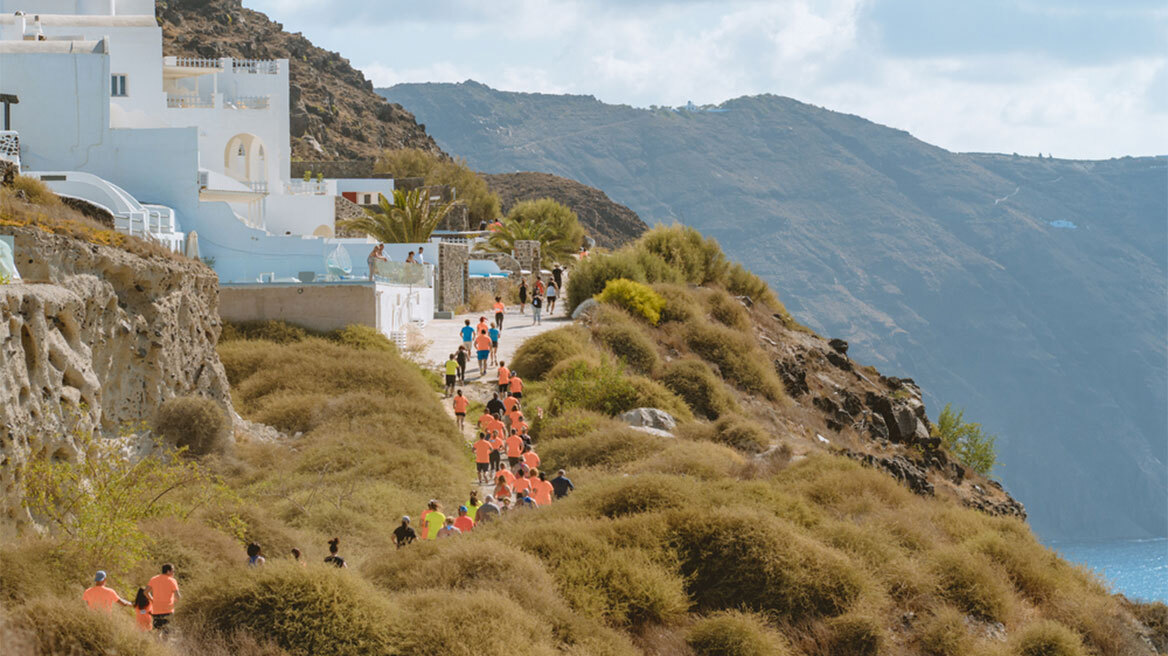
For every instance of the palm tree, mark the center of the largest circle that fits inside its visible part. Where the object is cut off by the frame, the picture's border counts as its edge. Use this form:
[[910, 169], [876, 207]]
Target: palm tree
[[553, 225], [409, 220]]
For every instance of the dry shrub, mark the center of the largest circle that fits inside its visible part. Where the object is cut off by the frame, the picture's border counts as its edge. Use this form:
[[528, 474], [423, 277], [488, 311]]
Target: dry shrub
[[279, 332], [737, 356], [727, 310], [572, 423], [740, 558], [290, 412], [35, 191], [590, 275], [199, 424], [701, 460], [628, 342], [734, 633], [698, 259], [195, 550], [362, 338], [606, 448], [59, 626], [616, 497], [697, 385], [680, 303], [651, 394], [741, 433], [478, 623], [1047, 638], [480, 300], [620, 586], [944, 634], [855, 634], [536, 357], [1034, 571], [971, 583], [30, 567], [314, 611], [843, 485]]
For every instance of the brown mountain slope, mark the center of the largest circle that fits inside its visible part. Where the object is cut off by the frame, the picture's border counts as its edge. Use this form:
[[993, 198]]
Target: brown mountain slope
[[335, 113], [609, 223]]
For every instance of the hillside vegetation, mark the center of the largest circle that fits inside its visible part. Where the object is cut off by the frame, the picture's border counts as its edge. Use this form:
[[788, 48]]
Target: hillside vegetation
[[1030, 291], [736, 536]]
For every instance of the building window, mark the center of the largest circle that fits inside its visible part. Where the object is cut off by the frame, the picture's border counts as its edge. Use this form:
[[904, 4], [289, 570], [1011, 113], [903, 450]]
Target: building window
[[118, 85], [368, 199]]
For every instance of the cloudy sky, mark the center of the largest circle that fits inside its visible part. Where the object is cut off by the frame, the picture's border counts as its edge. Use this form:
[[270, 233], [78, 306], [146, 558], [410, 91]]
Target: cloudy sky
[[1076, 78]]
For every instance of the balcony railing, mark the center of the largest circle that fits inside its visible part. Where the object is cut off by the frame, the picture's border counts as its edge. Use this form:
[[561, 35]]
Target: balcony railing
[[190, 102], [195, 62], [258, 186], [303, 187], [400, 273], [248, 102], [256, 66]]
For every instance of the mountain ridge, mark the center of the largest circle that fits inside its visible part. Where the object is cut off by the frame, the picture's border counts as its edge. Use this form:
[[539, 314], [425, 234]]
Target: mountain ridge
[[933, 263]]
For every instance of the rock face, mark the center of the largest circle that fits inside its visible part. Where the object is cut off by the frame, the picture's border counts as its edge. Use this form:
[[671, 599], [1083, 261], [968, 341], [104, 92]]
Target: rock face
[[97, 338], [649, 418]]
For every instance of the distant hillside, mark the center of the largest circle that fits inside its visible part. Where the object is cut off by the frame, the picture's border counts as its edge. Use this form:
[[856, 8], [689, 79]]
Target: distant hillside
[[610, 224], [333, 105], [1031, 291]]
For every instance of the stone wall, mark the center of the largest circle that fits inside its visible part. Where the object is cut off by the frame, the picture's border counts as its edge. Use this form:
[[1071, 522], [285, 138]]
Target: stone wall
[[457, 220], [451, 285], [527, 253], [346, 209], [506, 261]]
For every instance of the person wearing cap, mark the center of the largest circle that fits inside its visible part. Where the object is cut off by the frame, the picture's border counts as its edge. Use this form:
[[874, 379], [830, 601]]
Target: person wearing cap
[[463, 522], [163, 591], [405, 533], [449, 529], [100, 597], [487, 512]]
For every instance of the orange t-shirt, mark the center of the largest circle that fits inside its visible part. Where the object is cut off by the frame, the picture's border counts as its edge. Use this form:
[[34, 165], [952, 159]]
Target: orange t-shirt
[[516, 384], [482, 327], [520, 426], [502, 491], [164, 587], [460, 404], [514, 446], [497, 428], [504, 377], [142, 616], [100, 597], [531, 459], [497, 443], [464, 523], [482, 342], [541, 491], [485, 421], [482, 449], [522, 485], [509, 403], [499, 307], [506, 475]]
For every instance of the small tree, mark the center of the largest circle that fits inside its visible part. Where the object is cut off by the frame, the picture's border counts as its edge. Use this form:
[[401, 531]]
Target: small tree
[[409, 220], [966, 440], [482, 204], [553, 225]]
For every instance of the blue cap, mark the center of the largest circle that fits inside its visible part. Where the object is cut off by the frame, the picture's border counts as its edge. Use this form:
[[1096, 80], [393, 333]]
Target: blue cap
[[99, 577], [462, 509], [405, 518]]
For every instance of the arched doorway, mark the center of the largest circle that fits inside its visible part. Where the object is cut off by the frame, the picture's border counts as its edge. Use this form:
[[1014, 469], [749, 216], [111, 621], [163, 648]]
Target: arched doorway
[[244, 159]]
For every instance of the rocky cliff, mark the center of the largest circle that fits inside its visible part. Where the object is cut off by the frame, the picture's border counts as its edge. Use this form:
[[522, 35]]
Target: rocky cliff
[[609, 223], [96, 338], [334, 112]]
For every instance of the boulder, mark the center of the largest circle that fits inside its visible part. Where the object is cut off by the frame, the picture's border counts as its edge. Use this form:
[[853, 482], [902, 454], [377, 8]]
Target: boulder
[[649, 418], [584, 308]]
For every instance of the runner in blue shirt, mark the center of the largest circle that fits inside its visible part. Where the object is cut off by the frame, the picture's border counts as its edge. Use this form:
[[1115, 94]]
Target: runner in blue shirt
[[467, 334], [493, 333]]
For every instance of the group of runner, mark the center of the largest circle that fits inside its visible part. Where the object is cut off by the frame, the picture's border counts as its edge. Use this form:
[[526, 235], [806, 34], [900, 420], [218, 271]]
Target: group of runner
[[153, 605], [551, 291]]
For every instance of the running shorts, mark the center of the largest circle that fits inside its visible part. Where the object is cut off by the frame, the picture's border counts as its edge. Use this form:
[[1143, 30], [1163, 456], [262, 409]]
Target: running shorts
[[483, 355], [482, 466], [450, 379]]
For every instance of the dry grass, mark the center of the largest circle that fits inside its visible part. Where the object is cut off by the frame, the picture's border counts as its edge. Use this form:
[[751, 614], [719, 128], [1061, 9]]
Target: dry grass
[[699, 387], [734, 633]]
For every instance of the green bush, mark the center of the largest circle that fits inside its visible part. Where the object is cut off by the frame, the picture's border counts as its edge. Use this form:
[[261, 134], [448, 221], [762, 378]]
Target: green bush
[[680, 304], [592, 273], [856, 635], [57, 626], [740, 282], [316, 611], [734, 633], [536, 356], [1047, 638], [699, 387], [362, 338], [656, 269], [638, 298], [572, 423], [944, 634], [697, 258], [740, 558], [627, 342], [967, 580], [590, 385], [737, 356], [199, 424], [651, 394], [600, 449], [966, 440], [727, 310]]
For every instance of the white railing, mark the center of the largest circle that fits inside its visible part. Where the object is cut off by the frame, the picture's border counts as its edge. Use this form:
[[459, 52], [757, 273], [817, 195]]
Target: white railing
[[256, 66], [193, 62], [400, 273], [303, 187], [258, 186], [248, 102], [190, 102]]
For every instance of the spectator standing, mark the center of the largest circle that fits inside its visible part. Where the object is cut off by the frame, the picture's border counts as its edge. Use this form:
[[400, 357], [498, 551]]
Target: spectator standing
[[100, 597], [536, 306], [420, 259]]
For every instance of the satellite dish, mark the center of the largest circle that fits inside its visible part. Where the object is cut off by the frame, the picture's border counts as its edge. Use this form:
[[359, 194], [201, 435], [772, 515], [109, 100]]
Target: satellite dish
[[338, 263]]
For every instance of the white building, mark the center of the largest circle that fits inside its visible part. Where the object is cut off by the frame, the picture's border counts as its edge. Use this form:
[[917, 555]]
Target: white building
[[171, 145]]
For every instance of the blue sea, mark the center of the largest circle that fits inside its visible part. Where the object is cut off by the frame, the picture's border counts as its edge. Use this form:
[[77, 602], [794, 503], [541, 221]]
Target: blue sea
[[1137, 568]]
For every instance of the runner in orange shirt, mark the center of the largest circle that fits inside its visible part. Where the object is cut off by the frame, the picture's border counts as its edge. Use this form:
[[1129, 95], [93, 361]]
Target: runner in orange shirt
[[99, 597], [504, 379], [482, 450], [510, 403], [499, 308], [542, 490], [485, 420], [502, 488], [522, 484], [483, 351], [520, 425], [483, 326], [496, 453], [514, 448], [530, 458], [163, 591], [515, 385], [463, 522], [460, 405]]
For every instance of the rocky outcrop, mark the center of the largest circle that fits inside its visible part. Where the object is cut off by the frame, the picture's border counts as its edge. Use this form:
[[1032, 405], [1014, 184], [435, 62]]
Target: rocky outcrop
[[96, 339], [649, 418]]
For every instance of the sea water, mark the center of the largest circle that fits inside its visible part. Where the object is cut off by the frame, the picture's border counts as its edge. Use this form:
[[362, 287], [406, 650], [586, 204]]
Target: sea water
[[1136, 568]]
